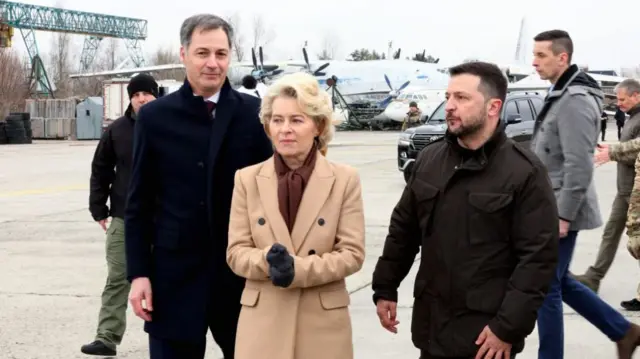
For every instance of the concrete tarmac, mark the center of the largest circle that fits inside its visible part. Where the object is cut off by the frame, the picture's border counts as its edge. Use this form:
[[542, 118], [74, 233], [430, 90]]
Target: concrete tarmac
[[52, 257]]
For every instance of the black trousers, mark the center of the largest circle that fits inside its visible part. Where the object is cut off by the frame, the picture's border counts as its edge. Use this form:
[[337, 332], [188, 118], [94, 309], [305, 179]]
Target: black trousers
[[223, 325]]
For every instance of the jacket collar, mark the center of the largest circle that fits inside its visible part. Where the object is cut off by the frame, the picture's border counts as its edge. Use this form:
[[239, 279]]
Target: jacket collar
[[315, 196], [186, 91], [478, 158], [634, 110]]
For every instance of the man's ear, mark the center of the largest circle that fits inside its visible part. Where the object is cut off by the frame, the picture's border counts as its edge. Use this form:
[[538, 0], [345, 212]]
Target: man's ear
[[494, 107]]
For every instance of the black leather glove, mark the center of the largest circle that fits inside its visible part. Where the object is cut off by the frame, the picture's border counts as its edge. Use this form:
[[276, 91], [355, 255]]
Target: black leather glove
[[281, 268]]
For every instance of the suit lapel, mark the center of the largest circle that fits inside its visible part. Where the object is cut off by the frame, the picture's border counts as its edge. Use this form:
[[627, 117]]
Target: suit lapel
[[224, 113], [315, 195], [268, 190]]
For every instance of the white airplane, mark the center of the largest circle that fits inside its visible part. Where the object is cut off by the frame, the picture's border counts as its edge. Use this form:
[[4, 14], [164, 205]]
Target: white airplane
[[355, 80], [426, 99]]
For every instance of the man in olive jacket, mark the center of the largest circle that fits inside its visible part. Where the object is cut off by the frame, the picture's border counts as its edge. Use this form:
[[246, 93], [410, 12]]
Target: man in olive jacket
[[483, 211]]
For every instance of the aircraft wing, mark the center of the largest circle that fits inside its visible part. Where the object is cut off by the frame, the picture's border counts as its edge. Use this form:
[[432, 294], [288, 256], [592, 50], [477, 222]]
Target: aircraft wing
[[135, 70], [128, 71], [298, 64], [527, 88]]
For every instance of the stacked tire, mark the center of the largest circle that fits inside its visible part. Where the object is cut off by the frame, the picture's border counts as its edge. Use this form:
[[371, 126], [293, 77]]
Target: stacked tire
[[3, 133], [18, 128]]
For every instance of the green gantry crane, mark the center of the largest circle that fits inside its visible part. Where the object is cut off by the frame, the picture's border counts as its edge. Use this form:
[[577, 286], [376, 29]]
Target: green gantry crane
[[30, 18]]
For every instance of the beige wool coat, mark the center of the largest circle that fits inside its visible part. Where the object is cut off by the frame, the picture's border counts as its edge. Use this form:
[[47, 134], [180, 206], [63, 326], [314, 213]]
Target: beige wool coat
[[310, 319]]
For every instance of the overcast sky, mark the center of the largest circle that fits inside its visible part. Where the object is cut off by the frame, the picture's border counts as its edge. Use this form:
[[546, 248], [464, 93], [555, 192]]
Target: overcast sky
[[604, 37]]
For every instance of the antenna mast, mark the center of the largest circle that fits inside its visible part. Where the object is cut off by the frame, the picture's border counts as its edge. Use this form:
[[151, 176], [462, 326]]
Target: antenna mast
[[520, 56]]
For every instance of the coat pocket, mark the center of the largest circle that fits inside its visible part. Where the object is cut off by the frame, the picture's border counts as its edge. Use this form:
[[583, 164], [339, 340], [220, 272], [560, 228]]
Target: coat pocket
[[335, 299], [250, 297], [425, 196], [487, 297], [489, 217]]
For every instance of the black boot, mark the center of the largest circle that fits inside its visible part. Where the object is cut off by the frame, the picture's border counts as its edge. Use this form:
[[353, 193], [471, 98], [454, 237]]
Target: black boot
[[98, 348], [632, 305]]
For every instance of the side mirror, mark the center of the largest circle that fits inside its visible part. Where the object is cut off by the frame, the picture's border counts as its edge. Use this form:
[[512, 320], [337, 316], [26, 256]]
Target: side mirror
[[513, 118], [425, 119]]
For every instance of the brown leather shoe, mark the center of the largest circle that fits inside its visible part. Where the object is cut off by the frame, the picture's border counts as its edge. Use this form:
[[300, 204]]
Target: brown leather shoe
[[628, 344]]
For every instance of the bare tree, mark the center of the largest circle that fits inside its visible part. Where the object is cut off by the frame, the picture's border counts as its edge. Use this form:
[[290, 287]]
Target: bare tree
[[168, 56], [238, 40], [164, 56], [91, 86], [60, 64], [262, 34], [13, 83], [330, 45], [113, 53]]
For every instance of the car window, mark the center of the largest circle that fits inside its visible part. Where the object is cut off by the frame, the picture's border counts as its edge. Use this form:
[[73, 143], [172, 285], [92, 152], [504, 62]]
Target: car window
[[511, 109], [537, 104], [525, 110], [439, 115]]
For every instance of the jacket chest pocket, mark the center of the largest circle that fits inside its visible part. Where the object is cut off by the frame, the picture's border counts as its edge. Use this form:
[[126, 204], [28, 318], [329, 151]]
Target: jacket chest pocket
[[425, 196], [489, 217]]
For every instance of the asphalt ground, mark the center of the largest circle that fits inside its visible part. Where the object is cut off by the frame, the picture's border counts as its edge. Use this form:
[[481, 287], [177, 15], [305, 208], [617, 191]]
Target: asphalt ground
[[53, 269]]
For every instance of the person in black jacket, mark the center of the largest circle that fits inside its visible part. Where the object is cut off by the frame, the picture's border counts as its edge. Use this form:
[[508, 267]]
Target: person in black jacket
[[483, 210], [188, 146], [620, 117], [109, 180]]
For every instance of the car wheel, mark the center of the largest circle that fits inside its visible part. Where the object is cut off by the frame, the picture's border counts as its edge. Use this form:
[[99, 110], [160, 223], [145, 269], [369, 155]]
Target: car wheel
[[407, 172]]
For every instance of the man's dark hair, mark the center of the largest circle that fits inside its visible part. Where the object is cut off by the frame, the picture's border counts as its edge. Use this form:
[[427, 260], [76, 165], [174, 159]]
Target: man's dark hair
[[560, 42], [493, 83], [204, 22], [249, 82]]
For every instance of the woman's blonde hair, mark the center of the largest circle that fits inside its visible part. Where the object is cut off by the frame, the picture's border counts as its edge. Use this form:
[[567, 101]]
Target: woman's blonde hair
[[313, 101]]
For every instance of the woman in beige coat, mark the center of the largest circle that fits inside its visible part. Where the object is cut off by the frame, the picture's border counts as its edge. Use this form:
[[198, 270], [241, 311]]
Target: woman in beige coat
[[296, 232]]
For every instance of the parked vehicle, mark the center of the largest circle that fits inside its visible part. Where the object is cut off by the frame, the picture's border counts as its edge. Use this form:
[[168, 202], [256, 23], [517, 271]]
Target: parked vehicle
[[519, 111]]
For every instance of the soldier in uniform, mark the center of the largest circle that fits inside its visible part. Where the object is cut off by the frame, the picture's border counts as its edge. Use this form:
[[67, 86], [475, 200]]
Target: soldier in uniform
[[413, 116], [628, 93]]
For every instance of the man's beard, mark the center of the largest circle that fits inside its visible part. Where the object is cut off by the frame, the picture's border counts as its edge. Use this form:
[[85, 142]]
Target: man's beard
[[469, 128]]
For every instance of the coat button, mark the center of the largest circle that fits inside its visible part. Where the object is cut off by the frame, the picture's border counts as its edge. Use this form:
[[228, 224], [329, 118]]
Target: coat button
[[312, 252], [547, 150], [261, 221], [201, 164], [321, 221]]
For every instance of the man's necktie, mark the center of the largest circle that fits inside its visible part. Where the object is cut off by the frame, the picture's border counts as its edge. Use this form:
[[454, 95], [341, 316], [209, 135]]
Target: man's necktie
[[210, 106]]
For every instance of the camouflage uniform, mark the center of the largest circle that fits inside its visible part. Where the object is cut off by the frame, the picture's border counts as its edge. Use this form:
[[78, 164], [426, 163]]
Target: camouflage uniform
[[412, 119], [626, 152]]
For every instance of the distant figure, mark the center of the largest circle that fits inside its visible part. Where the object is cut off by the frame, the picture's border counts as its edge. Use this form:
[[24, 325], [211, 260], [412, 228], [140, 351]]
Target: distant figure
[[620, 119], [110, 171], [249, 84], [603, 124], [413, 116]]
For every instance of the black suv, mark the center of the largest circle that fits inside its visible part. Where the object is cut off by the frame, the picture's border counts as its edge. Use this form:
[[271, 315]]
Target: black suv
[[520, 111]]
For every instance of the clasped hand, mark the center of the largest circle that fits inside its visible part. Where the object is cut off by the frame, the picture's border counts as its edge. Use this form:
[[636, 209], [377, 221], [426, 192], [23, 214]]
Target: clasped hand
[[281, 269]]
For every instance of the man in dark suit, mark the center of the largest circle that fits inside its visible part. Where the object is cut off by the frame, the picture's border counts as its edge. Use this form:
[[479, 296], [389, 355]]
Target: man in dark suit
[[187, 148]]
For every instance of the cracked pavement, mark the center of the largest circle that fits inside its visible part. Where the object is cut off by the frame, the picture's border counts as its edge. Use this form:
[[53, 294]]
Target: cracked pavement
[[53, 267]]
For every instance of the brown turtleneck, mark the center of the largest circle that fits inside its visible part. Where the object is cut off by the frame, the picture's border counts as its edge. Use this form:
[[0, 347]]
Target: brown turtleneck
[[291, 185]]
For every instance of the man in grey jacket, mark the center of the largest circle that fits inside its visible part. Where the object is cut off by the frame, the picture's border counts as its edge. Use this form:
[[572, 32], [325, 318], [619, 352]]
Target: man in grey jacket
[[565, 137]]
